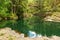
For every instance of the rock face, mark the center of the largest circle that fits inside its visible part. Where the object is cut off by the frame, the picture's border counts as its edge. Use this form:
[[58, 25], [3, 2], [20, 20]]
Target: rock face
[[55, 17], [8, 34]]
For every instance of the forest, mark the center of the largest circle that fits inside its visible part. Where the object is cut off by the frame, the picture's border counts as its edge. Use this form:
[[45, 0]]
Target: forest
[[17, 9]]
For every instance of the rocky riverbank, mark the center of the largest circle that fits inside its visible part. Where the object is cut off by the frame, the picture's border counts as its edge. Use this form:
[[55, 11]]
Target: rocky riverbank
[[8, 34], [55, 17]]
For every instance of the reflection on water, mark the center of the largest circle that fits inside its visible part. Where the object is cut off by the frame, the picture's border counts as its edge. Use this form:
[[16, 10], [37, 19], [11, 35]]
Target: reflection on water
[[44, 28]]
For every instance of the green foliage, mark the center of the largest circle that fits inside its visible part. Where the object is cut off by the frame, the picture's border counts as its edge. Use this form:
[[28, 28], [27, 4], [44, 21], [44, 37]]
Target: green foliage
[[4, 4], [47, 5]]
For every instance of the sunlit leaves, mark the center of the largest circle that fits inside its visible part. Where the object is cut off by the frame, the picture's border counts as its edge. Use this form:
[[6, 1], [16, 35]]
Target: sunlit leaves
[[30, 1], [47, 5], [58, 7], [4, 4], [13, 16]]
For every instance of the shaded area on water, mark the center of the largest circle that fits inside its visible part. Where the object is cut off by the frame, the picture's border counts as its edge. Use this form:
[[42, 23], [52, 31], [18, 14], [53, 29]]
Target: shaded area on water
[[44, 28]]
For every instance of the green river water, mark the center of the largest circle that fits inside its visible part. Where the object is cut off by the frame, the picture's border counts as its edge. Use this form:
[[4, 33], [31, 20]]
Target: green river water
[[44, 28]]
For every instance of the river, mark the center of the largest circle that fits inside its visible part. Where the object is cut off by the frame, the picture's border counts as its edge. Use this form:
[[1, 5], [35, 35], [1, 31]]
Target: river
[[44, 28]]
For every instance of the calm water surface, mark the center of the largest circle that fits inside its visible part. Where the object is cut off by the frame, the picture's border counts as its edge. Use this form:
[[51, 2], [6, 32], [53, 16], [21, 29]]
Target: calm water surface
[[44, 28]]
